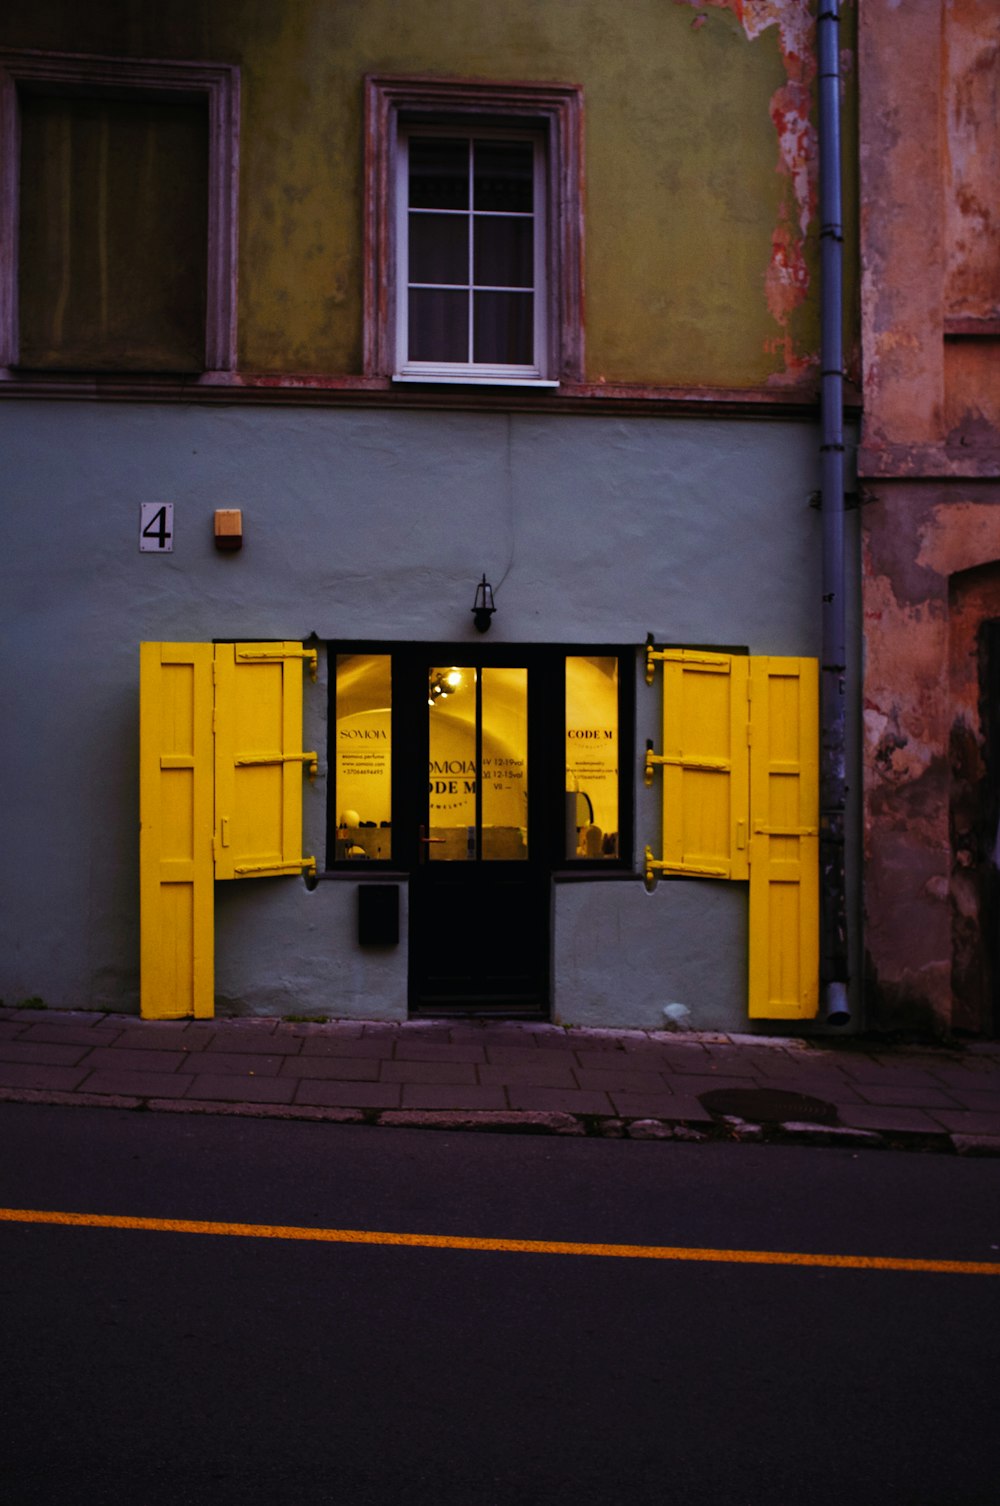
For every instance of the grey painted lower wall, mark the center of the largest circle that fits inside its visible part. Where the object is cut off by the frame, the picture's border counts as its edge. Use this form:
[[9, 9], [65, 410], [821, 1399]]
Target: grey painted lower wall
[[359, 526], [624, 955]]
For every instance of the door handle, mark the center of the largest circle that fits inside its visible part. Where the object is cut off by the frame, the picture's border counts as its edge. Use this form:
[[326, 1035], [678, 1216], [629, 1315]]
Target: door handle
[[424, 840]]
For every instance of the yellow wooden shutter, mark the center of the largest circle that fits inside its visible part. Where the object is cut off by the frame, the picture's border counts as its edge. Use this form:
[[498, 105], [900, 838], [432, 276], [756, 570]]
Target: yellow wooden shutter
[[175, 835], [704, 764], [259, 759], [784, 858]]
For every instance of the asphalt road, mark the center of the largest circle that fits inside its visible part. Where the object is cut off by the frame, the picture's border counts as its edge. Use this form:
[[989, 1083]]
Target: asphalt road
[[150, 1367]]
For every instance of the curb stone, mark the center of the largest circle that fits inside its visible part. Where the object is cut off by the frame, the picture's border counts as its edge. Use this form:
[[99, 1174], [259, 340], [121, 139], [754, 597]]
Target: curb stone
[[976, 1145], [826, 1134], [313, 1112], [71, 1100], [535, 1122], [649, 1129]]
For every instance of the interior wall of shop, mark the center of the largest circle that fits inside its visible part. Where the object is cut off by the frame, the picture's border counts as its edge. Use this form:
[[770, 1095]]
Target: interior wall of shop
[[361, 526]]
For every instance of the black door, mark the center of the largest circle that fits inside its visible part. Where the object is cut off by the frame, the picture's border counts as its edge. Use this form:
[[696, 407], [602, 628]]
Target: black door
[[480, 885]]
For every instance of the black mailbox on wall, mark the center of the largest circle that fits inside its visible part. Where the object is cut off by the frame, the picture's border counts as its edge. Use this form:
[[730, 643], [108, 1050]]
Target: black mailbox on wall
[[378, 914]]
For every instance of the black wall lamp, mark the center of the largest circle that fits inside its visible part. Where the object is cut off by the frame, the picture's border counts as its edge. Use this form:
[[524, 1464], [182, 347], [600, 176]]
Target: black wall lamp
[[484, 608]]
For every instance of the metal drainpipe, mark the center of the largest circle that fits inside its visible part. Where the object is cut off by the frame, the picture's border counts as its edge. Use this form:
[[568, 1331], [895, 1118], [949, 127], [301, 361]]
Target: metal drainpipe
[[833, 665]]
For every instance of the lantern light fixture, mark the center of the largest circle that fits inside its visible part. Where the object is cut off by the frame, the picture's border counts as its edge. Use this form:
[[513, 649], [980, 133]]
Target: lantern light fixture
[[484, 608]]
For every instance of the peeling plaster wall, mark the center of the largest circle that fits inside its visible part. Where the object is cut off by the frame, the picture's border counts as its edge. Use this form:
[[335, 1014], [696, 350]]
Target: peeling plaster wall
[[930, 165], [701, 239]]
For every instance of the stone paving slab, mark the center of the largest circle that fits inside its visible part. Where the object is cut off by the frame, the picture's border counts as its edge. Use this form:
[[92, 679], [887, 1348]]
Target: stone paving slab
[[65, 1035], [239, 1063], [620, 1076], [254, 1045], [439, 1051], [376, 1047], [917, 1098], [968, 1122], [829, 1086], [964, 1098], [574, 1101], [176, 1039], [38, 1052], [678, 1106], [37, 1075], [553, 1073], [239, 1089], [134, 1084], [891, 1119], [451, 1096], [438, 1072], [123, 1059], [349, 1095], [341, 1068]]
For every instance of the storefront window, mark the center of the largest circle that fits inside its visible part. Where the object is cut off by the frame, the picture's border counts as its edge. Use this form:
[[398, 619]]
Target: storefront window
[[363, 757], [592, 760]]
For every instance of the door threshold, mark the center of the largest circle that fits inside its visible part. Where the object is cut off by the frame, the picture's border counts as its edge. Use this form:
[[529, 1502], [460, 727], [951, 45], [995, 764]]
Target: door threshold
[[442, 1010]]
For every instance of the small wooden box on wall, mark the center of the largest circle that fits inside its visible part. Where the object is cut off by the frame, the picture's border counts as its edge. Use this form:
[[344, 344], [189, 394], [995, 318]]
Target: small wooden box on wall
[[228, 528]]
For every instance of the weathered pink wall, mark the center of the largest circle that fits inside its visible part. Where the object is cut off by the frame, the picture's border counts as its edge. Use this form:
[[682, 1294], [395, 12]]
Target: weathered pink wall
[[930, 467]]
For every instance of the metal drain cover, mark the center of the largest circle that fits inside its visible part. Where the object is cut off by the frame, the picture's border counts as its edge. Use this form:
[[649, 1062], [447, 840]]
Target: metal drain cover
[[769, 1105]]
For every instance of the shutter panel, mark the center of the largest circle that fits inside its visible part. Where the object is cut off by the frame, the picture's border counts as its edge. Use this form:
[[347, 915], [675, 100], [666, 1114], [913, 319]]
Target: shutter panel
[[175, 832], [784, 867], [258, 759], [705, 764]]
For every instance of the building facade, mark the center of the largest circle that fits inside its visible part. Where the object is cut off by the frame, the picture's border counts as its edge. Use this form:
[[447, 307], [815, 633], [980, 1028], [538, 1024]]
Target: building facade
[[432, 391], [930, 476]]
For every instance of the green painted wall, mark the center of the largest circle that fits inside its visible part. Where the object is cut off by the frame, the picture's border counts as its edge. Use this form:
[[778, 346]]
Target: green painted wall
[[692, 234]]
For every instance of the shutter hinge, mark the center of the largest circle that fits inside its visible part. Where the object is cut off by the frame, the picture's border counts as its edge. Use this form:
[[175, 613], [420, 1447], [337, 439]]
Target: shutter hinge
[[247, 870], [702, 765], [253, 760], [653, 866], [277, 656], [785, 831]]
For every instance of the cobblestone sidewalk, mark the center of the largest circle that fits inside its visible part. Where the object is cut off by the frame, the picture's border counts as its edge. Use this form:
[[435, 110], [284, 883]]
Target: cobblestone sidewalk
[[512, 1076]]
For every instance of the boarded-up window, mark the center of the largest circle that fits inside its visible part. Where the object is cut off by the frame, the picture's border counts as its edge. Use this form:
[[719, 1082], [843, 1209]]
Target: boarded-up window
[[113, 233]]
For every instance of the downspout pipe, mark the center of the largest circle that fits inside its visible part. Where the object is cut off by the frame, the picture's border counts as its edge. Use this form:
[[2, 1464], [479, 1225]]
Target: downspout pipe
[[833, 662]]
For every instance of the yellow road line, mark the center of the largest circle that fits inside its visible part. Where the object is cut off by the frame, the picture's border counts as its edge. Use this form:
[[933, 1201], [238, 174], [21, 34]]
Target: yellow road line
[[494, 1246]]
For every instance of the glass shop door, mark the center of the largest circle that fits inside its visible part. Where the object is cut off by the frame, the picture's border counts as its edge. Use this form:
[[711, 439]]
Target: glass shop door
[[479, 888]]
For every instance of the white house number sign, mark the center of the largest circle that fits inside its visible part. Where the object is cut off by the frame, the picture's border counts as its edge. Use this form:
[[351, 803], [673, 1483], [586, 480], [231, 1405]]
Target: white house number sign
[[156, 527]]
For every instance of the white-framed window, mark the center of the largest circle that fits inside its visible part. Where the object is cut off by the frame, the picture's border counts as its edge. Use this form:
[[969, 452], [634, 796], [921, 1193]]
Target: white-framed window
[[474, 232], [470, 263]]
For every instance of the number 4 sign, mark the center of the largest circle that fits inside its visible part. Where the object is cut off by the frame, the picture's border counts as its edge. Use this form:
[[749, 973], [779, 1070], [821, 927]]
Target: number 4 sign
[[156, 527]]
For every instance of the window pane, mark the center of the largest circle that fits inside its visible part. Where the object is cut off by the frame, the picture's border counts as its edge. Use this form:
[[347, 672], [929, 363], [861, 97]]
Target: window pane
[[503, 328], [439, 325], [439, 173], [439, 248], [505, 764], [451, 713], [113, 233], [505, 176], [591, 757], [504, 252], [363, 756]]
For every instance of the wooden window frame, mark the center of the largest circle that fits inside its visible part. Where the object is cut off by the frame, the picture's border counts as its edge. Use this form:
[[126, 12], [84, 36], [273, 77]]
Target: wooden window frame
[[218, 84], [552, 111], [409, 369]]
